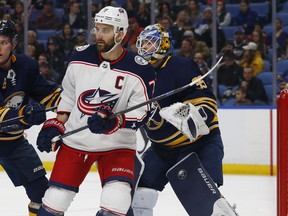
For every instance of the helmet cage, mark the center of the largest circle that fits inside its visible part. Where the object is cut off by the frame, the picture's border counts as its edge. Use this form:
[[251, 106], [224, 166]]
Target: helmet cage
[[157, 37]]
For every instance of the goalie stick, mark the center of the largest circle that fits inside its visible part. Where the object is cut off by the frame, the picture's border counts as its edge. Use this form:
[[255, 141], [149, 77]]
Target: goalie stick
[[159, 97], [20, 117]]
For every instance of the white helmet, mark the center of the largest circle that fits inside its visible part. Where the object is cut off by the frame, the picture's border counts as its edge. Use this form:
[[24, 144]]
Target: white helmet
[[115, 16]]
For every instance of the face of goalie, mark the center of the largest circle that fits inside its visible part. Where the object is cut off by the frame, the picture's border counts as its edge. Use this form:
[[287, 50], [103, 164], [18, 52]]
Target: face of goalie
[[150, 46], [106, 38]]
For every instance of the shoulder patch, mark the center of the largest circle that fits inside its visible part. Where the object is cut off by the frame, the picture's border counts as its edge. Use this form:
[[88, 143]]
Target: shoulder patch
[[140, 60], [81, 48]]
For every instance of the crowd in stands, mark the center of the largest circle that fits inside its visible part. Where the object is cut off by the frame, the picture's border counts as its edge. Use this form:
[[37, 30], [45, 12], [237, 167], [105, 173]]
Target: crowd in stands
[[246, 47]]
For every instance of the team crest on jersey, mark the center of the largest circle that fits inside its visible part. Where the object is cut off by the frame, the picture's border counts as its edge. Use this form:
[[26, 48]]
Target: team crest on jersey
[[93, 100], [155, 121], [15, 101], [81, 48], [140, 60]]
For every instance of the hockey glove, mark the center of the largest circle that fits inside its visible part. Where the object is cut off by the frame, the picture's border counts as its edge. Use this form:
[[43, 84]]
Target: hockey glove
[[34, 114], [186, 118], [100, 123], [51, 128]]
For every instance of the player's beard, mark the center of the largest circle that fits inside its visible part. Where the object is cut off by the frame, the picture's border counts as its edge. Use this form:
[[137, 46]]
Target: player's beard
[[105, 47]]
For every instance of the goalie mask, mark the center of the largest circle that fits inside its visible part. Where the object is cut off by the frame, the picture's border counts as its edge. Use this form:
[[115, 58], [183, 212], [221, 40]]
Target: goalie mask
[[155, 42]]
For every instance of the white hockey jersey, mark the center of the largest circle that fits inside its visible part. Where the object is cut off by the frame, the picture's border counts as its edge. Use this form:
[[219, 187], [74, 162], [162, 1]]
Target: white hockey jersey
[[91, 83]]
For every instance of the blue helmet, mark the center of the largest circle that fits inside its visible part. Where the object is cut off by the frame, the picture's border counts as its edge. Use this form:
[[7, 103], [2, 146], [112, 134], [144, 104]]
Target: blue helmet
[[155, 42]]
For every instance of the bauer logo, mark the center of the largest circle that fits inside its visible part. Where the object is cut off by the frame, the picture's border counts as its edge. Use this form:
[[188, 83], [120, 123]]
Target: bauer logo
[[206, 180], [36, 169], [140, 60], [182, 174]]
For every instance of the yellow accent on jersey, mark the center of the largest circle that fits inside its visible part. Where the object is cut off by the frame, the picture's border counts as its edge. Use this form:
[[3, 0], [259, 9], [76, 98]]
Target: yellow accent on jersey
[[164, 64], [166, 139], [52, 98]]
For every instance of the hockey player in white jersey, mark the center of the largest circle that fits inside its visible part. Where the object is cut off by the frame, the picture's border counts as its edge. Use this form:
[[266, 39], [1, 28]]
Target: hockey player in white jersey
[[100, 80]]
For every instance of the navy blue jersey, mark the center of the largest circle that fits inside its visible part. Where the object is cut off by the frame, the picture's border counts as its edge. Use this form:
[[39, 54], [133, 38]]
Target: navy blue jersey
[[174, 73], [20, 85]]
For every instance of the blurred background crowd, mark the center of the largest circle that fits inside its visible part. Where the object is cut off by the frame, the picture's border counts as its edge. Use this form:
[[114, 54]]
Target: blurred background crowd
[[244, 31]]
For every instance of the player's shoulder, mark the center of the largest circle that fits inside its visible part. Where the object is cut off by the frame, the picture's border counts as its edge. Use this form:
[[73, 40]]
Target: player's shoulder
[[183, 66], [24, 63], [136, 60], [137, 64], [86, 53]]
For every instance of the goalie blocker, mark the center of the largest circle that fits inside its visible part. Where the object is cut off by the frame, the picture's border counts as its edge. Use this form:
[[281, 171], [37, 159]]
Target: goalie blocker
[[203, 197]]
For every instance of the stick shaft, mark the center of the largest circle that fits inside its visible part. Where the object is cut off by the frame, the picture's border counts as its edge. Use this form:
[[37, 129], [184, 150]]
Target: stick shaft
[[159, 97], [21, 117]]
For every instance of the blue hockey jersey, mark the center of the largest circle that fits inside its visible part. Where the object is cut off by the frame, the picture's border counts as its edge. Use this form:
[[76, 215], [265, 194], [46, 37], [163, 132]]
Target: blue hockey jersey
[[20, 85], [176, 72]]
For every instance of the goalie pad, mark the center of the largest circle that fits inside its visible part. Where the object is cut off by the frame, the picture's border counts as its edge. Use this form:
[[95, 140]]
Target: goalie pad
[[186, 118], [196, 190]]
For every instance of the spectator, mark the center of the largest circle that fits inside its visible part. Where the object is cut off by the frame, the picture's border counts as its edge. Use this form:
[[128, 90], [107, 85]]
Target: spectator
[[283, 80], [47, 72], [81, 38], [186, 49], [239, 42], [204, 68], [105, 3], [133, 32], [165, 11], [67, 40], [252, 58], [18, 15], [32, 40], [20, 44], [258, 38], [43, 58], [179, 27], [246, 17], [229, 73], [48, 19], [204, 30], [198, 46], [281, 38], [180, 5], [194, 13], [74, 16], [143, 15], [131, 7], [241, 99], [94, 9], [56, 57], [223, 17], [254, 87], [31, 51]]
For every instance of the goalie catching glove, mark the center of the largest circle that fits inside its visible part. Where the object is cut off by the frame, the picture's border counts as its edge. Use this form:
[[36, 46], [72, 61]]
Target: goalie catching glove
[[51, 128], [186, 118], [100, 123]]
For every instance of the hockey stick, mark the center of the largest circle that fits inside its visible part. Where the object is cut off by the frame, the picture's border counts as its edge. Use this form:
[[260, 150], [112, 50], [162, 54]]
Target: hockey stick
[[159, 97], [20, 117]]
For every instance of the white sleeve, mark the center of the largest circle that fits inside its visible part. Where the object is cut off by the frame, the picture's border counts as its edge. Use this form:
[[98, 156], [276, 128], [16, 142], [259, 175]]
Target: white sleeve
[[68, 97]]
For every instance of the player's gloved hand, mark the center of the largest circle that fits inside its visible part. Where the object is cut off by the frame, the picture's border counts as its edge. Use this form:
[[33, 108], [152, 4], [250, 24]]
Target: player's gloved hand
[[100, 123], [51, 128], [186, 118], [34, 114]]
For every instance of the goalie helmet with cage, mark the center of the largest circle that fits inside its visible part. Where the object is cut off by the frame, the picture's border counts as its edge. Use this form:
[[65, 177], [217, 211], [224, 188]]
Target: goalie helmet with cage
[[155, 42], [7, 28], [115, 16]]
